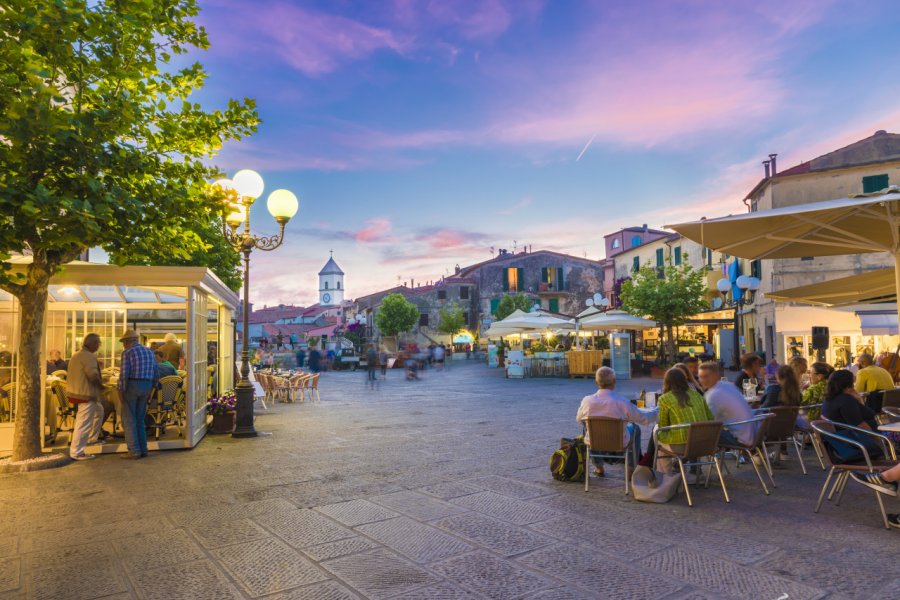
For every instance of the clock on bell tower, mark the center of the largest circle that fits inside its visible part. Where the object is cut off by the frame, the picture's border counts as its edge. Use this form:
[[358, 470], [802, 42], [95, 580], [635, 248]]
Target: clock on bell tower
[[331, 284]]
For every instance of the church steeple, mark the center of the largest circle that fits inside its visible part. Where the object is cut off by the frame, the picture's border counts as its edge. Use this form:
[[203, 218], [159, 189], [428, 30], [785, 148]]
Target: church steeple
[[331, 283]]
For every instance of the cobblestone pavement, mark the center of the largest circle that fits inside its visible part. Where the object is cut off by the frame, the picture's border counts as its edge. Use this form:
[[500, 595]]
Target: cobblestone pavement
[[430, 489]]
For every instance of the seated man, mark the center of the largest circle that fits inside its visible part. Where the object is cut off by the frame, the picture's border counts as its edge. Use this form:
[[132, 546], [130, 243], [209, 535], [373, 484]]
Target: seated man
[[165, 367], [751, 368], [56, 362], [606, 403], [873, 380], [727, 404]]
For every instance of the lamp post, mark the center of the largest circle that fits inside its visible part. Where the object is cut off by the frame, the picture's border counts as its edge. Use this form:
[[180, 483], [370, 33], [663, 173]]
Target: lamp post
[[243, 190], [748, 286]]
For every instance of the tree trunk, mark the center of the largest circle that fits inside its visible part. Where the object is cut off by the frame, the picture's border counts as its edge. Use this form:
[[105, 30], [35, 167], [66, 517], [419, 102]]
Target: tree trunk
[[32, 310], [670, 344]]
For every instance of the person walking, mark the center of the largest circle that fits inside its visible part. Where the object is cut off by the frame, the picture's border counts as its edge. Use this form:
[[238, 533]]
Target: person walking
[[371, 363], [84, 385], [382, 361], [137, 380]]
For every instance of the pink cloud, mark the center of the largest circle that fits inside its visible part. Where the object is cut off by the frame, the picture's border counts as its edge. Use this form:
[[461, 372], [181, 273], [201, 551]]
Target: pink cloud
[[376, 230]]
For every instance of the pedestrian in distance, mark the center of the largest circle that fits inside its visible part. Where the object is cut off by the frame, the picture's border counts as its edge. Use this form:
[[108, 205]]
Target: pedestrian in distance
[[371, 365], [84, 386], [382, 361]]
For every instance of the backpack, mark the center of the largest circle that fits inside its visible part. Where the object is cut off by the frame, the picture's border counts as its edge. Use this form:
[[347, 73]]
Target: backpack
[[567, 463]]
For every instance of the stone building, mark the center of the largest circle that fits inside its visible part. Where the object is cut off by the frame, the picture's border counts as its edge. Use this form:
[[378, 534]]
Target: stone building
[[620, 241], [869, 165]]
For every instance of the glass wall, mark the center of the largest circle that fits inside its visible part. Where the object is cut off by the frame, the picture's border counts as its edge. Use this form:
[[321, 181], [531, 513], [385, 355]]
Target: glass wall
[[9, 323]]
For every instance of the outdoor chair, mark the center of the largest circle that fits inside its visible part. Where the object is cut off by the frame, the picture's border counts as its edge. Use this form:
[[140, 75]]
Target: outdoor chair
[[701, 448], [891, 414], [7, 402], [607, 437], [756, 447], [181, 373], [162, 405], [65, 411], [313, 387], [891, 399], [781, 430], [263, 379], [803, 431], [211, 387], [297, 383], [281, 389], [825, 431], [59, 374]]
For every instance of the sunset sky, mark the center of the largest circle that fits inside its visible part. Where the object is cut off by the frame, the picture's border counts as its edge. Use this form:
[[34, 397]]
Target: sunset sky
[[420, 134]]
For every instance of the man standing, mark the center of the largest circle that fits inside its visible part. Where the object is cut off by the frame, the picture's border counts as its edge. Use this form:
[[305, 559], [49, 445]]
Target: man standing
[[137, 380], [84, 385], [173, 352], [607, 403], [727, 404]]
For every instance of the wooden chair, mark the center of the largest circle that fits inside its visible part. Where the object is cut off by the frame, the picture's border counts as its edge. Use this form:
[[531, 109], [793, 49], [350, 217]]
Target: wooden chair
[[781, 430], [825, 431], [65, 411], [162, 405], [8, 402], [607, 440], [700, 448], [756, 448]]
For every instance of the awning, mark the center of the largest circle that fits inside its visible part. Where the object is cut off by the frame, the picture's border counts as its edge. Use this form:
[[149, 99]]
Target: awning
[[878, 323], [865, 288]]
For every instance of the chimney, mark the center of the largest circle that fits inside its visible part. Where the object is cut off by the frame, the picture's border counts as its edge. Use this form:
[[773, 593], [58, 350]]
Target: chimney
[[645, 227], [412, 282], [772, 160], [766, 165]]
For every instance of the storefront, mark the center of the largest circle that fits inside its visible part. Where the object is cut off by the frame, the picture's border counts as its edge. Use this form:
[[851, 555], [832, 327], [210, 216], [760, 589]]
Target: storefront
[[190, 302]]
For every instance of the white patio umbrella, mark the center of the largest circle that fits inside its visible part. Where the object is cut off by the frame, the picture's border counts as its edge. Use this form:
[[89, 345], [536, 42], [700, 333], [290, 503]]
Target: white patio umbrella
[[864, 223], [616, 319], [865, 288]]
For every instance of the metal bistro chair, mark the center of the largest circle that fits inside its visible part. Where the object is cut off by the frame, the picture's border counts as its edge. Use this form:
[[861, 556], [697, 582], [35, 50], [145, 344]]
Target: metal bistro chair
[[825, 431], [781, 430], [66, 411], [61, 374], [756, 448], [163, 404], [805, 433], [700, 448], [7, 402], [607, 437]]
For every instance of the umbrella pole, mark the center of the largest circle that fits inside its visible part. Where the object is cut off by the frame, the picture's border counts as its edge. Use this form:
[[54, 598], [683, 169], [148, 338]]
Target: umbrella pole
[[897, 282]]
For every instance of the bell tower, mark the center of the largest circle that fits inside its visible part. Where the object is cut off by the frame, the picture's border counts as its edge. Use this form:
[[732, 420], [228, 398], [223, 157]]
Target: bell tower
[[331, 283]]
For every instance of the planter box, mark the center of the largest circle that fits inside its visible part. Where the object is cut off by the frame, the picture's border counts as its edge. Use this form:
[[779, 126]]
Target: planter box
[[222, 423]]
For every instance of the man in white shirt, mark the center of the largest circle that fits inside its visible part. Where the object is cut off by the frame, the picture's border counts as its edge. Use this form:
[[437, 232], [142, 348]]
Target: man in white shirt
[[607, 403], [727, 404], [84, 385]]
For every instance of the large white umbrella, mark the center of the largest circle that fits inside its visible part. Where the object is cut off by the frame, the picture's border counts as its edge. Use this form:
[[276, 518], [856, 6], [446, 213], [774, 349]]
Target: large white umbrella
[[864, 223], [616, 319], [865, 288]]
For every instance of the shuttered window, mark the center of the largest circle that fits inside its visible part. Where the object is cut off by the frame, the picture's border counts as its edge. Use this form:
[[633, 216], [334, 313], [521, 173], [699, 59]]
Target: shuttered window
[[464, 293], [560, 281], [678, 255], [660, 257], [554, 305], [442, 294], [423, 319], [636, 264], [495, 302], [874, 183]]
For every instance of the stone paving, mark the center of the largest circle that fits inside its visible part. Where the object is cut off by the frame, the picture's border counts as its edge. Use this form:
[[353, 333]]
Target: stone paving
[[430, 489]]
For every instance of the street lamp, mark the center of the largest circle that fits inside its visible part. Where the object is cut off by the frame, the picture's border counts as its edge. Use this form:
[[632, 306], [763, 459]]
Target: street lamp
[[242, 191], [748, 286]]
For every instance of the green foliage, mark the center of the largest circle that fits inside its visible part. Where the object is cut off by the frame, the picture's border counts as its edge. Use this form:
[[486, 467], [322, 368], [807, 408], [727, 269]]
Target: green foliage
[[396, 315], [102, 144], [670, 299], [510, 303], [450, 320]]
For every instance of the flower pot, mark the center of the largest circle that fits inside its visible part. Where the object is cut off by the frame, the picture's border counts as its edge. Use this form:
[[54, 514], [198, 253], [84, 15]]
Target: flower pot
[[223, 423]]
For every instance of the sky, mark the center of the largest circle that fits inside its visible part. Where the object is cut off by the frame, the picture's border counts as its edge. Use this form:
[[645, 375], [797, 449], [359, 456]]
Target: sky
[[422, 134]]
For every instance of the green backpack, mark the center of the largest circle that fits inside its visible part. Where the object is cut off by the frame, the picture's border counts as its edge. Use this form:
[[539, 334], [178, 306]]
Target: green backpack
[[567, 463]]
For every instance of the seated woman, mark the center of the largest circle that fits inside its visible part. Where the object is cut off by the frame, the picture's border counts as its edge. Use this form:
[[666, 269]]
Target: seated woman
[[843, 404], [692, 381], [815, 393], [785, 391], [678, 404]]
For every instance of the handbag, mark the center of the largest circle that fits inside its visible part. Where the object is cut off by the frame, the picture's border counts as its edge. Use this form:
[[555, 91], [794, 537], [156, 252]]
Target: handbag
[[649, 485]]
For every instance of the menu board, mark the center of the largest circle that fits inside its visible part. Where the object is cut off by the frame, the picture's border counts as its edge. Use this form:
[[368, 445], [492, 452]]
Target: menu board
[[620, 352]]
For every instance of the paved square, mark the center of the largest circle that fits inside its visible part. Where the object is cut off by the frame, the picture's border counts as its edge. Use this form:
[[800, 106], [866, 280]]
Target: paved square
[[438, 488]]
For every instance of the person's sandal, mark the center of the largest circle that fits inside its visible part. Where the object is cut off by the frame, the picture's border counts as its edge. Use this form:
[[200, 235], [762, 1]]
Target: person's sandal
[[598, 472], [876, 482], [894, 520]]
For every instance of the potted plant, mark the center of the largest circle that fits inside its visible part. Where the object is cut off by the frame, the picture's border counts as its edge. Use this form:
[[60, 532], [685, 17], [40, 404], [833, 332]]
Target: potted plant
[[222, 409]]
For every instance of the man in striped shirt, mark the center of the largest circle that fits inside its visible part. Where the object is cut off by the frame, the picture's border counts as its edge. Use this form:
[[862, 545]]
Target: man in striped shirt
[[137, 381]]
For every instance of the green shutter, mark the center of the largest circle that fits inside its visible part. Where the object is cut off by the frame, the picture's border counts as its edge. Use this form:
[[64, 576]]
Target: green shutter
[[520, 275], [505, 280], [660, 257], [560, 282], [554, 305], [636, 264], [495, 302], [544, 275], [874, 183], [678, 255]]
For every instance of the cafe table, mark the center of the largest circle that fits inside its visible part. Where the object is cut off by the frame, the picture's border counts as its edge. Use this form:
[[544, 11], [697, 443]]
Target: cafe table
[[890, 427]]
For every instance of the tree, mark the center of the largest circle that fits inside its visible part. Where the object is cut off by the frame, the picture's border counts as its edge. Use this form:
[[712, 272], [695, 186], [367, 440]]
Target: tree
[[451, 320], [215, 253], [396, 315], [99, 145], [668, 296], [511, 303]]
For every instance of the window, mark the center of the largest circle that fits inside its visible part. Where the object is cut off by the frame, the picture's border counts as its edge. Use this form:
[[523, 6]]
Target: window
[[660, 257], [338, 285], [466, 318], [636, 241], [326, 285], [442, 294], [678, 255], [615, 244], [464, 293], [708, 257], [874, 183], [513, 279], [423, 319], [495, 302], [553, 305], [756, 269], [636, 264]]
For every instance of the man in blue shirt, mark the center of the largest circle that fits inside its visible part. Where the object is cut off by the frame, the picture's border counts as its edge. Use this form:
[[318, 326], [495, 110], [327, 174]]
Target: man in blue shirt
[[137, 380]]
